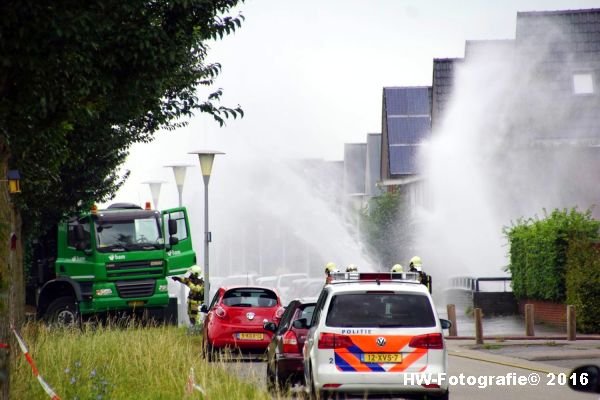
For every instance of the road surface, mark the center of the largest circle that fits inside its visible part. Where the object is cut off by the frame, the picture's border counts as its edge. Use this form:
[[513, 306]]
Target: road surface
[[255, 371]]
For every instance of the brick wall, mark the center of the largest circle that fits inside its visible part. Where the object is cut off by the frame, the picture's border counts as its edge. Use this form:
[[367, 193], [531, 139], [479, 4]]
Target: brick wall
[[546, 311]]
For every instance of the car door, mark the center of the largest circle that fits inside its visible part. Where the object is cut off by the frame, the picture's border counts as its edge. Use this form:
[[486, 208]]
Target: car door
[[180, 255], [275, 347], [304, 311], [72, 261]]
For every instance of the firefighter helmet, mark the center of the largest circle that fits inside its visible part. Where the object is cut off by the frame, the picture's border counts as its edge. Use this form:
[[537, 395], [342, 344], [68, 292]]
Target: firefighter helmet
[[416, 262], [194, 269], [330, 267], [397, 268]]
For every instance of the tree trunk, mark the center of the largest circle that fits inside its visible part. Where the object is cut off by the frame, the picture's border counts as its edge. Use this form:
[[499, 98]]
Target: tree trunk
[[12, 284], [5, 309]]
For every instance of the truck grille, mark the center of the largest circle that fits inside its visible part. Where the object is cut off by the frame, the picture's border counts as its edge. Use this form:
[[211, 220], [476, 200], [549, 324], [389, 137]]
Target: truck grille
[[143, 288], [132, 268]]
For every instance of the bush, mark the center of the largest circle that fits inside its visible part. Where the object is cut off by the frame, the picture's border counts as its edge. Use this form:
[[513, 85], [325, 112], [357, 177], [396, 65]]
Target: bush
[[583, 283], [538, 252]]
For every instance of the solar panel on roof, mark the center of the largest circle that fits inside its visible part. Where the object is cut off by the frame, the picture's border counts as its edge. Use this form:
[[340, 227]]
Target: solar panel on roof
[[403, 160], [410, 130], [407, 101]]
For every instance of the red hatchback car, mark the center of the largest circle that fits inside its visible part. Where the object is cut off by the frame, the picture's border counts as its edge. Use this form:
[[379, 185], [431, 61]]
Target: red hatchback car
[[236, 317]]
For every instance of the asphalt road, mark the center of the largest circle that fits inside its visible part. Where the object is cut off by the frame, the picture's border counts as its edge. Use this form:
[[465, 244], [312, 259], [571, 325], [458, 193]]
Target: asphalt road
[[255, 371]]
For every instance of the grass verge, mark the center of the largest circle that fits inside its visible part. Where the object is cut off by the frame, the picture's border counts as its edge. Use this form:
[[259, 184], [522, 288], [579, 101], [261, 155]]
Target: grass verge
[[122, 363]]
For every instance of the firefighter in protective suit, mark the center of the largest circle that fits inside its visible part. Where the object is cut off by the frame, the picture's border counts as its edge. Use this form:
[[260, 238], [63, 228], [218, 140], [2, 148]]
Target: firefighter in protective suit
[[330, 268], [196, 295], [416, 265]]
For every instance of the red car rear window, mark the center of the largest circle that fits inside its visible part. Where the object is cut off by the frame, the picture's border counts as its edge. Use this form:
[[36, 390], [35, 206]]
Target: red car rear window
[[250, 297]]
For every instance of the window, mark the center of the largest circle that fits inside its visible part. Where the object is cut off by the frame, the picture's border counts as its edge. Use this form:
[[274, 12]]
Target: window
[[179, 216], [319, 307], [72, 236], [128, 233], [380, 310], [583, 83], [214, 300], [250, 298], [286, 318]]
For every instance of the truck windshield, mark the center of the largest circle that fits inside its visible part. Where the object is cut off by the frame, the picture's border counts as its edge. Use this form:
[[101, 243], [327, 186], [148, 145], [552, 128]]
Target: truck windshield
[[129, 234]]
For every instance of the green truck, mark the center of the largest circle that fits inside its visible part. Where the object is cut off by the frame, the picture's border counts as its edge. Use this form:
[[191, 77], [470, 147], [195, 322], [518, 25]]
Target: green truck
[[111, 260]]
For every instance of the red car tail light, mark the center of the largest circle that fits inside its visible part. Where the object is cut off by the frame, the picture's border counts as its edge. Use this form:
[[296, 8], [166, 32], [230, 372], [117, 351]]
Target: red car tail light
[[332, 385], [220, 312], [429, 341], [290, 343], [333, 341], [279, 312]]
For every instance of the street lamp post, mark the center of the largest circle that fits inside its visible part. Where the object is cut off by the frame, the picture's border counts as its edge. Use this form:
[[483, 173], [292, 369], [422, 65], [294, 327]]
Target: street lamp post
[[206, 158], [179, 173], [155, 191]]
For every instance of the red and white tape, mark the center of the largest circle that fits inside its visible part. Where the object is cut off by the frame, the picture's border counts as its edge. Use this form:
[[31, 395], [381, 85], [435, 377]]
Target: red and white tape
[[191, 384], [34, 369]]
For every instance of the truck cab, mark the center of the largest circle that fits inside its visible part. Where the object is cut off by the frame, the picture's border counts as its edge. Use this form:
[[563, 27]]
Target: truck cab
[[117, 259]]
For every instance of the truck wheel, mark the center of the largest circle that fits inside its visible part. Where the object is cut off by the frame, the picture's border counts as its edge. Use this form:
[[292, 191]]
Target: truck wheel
[[63, 312]]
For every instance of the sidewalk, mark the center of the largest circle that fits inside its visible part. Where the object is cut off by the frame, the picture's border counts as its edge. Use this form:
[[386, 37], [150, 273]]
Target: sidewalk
[[542, 355]]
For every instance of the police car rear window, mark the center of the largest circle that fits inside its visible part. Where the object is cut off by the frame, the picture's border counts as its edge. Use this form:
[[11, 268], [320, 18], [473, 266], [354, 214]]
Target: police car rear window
[[250, 297], [381, 310]]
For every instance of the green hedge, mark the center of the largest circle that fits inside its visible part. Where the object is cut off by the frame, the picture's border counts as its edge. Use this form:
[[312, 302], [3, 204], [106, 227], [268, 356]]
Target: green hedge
[[538, 252], [583, 283]]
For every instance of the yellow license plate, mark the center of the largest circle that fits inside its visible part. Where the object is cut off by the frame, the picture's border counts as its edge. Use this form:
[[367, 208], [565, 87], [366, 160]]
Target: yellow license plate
[[137, 303], [250, 336], [382, 358]]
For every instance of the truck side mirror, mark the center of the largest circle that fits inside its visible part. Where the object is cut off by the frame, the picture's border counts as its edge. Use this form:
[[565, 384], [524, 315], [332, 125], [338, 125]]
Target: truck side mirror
[[80, 246], [173, 241], [172, 227], [203, 308]]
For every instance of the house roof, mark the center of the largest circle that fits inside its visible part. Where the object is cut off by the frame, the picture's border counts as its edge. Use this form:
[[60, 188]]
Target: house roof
[[408, 123], [443, 81], [570, 41]]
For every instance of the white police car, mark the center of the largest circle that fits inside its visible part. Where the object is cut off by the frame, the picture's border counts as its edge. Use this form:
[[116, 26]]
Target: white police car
[[376, 333]]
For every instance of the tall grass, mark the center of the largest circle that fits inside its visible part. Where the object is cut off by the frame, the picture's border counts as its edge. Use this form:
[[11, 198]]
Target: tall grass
[[122, 363]]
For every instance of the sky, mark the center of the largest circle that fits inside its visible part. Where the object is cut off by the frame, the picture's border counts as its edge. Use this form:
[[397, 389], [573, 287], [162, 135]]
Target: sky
[[309, 75]]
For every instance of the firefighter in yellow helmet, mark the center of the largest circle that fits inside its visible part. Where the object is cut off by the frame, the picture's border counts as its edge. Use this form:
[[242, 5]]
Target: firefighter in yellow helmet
[[397, 268], [196, 295], [416, 265], [352, 268], [329, 269]]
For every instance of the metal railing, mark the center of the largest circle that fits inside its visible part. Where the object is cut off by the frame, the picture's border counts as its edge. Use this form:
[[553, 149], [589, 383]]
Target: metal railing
[[473, 284]]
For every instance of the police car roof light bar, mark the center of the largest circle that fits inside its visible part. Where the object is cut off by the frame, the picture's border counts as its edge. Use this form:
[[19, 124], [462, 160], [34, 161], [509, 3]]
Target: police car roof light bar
[[350, 277]]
